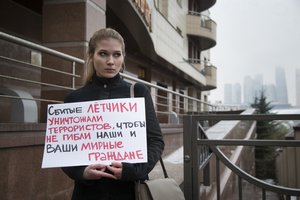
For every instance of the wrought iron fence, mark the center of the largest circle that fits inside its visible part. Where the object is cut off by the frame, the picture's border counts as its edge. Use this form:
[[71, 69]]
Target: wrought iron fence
[[199, 149]]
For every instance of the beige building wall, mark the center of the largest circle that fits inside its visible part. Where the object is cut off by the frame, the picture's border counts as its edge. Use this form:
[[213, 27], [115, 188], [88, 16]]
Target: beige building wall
[[173, 46]]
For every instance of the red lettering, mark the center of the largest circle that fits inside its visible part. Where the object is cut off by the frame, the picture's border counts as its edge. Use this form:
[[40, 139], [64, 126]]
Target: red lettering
[[139, 154], [51, 138], [117, 156], [133, 107], [93, 108]]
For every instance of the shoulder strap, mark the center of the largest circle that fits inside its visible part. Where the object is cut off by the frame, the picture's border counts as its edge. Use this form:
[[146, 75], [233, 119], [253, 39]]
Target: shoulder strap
[[163, 167], [160, 160], [132, 90]]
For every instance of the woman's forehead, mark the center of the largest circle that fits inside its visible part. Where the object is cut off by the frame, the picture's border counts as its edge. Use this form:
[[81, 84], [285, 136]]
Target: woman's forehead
[[109, 43]]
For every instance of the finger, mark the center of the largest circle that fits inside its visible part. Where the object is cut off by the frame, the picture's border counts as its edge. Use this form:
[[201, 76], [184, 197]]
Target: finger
[[101, 169], [116, 164], [113, 169], [97, 166], [93, 169], [106, 175], [117, 172]]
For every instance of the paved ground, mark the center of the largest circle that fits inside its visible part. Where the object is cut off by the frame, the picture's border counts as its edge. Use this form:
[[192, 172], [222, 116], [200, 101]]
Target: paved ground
[[251, 192]]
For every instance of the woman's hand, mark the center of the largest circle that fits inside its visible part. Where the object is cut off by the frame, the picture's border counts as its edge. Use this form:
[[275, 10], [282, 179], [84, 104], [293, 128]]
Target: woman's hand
[[96, 171], [116, 169]]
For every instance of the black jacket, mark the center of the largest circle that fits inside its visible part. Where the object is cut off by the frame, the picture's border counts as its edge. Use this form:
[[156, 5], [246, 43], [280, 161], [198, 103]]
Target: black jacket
[[102, 88]]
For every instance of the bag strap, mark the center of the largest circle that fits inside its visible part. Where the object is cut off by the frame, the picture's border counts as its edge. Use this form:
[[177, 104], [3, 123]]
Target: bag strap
[[160, 159], [163, 167], [132, 90]]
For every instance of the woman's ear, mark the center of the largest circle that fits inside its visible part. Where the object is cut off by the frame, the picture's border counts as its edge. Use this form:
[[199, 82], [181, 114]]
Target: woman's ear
[[123, 67], [90, 58]]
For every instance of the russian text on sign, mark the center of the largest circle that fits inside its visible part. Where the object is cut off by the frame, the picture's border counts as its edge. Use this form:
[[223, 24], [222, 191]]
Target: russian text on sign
[[103, 131]]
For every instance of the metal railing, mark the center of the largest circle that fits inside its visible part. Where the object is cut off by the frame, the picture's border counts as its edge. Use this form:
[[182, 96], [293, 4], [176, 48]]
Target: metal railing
[[170, 103], [187, 100], [199, 149], [40, 49], [206, 21], [46, 50]]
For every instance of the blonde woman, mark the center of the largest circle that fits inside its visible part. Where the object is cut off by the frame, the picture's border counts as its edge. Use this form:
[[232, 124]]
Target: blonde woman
[[106, 54]]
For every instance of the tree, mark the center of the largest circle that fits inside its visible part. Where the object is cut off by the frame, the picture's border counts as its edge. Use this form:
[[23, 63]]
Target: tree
[[265, 156]]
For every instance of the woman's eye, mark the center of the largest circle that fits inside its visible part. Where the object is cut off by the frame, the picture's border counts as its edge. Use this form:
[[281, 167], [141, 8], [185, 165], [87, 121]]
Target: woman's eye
[[117, 55], [102, 54]]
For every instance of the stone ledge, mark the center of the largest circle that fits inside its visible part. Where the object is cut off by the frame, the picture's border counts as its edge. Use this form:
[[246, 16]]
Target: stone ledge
[[173, 164]]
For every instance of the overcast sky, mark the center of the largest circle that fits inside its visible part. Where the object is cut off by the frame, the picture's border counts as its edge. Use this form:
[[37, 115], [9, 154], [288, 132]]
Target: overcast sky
[[254, 37]]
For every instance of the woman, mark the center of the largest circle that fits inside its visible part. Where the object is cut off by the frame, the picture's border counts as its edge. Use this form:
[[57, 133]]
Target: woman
[[106, 53]]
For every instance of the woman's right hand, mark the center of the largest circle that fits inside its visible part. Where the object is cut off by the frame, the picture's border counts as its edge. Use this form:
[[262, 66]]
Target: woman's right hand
[[96, 171]]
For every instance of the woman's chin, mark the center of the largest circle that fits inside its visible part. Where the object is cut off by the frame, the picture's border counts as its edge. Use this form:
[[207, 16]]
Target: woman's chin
[[108, 75]]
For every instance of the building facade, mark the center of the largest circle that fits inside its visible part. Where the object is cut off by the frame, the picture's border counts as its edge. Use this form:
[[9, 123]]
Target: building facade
[[167, 44]]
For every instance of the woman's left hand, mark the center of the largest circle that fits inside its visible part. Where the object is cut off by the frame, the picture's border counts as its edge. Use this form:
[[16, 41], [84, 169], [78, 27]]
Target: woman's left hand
[[116, 169]]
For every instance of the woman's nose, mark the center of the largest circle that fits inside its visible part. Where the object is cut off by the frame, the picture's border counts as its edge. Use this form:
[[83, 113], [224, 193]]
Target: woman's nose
[[110, 59]]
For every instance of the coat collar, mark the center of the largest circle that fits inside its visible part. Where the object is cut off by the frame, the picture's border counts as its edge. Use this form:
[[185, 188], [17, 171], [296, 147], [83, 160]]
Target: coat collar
[[109, 81]]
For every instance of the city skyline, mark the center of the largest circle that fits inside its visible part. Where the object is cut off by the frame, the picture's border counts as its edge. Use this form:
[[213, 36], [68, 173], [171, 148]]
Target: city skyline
[[276, 94], [254, 37]]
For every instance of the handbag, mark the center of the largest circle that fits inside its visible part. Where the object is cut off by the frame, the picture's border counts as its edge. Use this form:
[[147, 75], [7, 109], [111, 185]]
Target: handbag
[[158, 189]]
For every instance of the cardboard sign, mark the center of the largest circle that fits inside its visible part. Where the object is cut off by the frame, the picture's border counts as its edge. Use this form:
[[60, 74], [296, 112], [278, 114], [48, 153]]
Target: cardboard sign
[[92, 132]]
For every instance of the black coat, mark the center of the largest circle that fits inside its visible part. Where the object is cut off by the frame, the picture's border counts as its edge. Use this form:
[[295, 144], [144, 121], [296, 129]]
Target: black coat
[[102, 88]]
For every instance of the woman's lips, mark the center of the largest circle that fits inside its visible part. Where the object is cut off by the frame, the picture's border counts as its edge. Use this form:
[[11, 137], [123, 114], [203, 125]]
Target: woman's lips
[[109, 70]]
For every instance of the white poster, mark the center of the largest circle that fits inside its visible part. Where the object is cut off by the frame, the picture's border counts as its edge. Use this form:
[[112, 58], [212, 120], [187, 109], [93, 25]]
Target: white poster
[[92, 132]]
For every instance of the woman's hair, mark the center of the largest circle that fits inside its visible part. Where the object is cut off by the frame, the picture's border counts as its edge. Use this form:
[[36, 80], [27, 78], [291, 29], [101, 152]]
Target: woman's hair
[[102, 34]]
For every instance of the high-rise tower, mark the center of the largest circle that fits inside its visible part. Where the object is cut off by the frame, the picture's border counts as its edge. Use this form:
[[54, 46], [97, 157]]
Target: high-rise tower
[[281, 88], [298, 87], [228, 93], [236, 93]]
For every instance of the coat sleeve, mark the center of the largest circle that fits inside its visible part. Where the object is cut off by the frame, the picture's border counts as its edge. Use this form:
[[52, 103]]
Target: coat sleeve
[[155, 143]]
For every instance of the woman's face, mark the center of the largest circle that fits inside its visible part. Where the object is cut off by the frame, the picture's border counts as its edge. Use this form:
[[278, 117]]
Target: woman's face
[[108, 58]]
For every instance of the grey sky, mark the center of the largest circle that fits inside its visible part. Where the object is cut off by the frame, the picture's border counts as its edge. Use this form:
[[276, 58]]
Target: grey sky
[[255, 37]]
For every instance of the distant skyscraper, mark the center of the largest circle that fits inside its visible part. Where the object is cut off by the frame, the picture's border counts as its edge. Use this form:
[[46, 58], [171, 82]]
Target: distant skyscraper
[[298, 88], [236, 94], [270, 93], [248, 90], [228, 94], [252, 88], [257, 85], [281, 89]]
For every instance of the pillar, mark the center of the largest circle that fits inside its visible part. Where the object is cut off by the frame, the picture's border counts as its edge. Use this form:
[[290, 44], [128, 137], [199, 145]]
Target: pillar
[[67, 27]]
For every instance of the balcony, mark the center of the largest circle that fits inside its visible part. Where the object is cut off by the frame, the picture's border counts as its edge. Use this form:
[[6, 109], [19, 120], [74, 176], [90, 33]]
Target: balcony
[[201, 29], [206, 4], [207, 70], [210, 73]]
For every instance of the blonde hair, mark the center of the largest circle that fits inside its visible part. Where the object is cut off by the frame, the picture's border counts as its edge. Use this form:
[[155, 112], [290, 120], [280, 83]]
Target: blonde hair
[[99, 35]]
